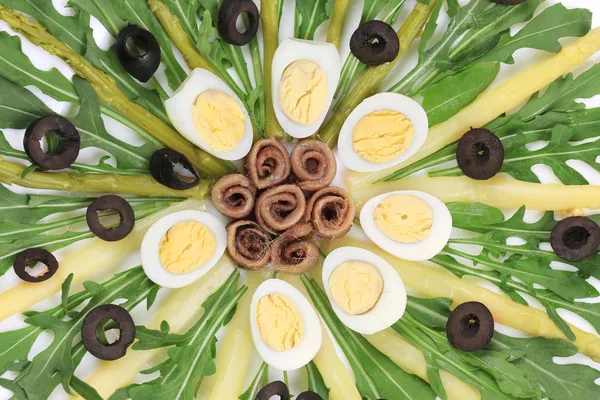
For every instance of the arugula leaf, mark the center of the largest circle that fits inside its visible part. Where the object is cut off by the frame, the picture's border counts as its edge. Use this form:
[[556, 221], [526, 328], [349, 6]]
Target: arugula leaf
[[260, 380], [187, 13], [194, 351], [376, 375], [310, 14], [316, 383]]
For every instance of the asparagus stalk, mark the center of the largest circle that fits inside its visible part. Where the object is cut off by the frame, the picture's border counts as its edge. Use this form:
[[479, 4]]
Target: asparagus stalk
[[108, 91], [336, 24], [371, 80], [11, 173], [270, 26]]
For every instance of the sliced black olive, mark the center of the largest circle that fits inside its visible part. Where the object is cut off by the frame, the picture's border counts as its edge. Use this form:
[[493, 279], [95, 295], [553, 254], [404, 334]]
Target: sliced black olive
[[91, 324], [110, 203], [480, 154], [470, 326], [575, 238], [58, 156], [375, 43], [162, 168], [229, 12], [509, 2], [30, 257], [139, 52], [308, 395], [276, 388]]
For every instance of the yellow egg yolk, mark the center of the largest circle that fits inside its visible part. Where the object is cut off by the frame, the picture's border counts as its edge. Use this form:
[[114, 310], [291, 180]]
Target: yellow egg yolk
[[355, 286], [382, 135], [187, 246], [303, 91], [279, 322], [405, 219], [219, 120]]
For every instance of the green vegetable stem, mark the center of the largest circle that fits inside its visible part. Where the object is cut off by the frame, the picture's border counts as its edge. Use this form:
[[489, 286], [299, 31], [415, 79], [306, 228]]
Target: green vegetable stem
[[12, 173], [336, 24], [372, 78], [270, 26]]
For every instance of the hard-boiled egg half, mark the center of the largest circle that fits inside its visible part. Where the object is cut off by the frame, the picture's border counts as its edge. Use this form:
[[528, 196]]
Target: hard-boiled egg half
[[382, 131], [181, 247], [365, 291], [408, 224], [210, 115], [305, 75], [285, 327]]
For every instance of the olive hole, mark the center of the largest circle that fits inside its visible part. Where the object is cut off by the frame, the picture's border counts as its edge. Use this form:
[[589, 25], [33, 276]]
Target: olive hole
[[137, 46], [377, 44], [52, 143], [482, 151], [470, 324], [108, 331], [36, 269], [311, 165], [576, 237], [107, 218], [242, 23], [183, 173]]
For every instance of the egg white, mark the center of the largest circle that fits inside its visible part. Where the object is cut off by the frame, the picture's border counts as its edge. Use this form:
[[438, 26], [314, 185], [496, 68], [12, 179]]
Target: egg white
[[151, 243], [310, 344], [391, 304], [382, 101], [179, 108], [420, 251], [323, 54]]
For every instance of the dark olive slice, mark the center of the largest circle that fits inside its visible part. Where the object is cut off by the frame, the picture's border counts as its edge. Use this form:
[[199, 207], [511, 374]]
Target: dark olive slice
[[470, 326], [139, 52], [30, 257], [61, 155], [509, 2], [308, 395], [90, 328], [480, 154], [110, 203], [162, 167], [375, 43], [276, 388], [229, 12], [575, 238]]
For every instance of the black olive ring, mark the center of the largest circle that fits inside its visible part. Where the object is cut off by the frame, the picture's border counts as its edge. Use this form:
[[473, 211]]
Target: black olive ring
[[229, 13], [162, 168], [30, 257], [110, 203], [470, 326], [308, 395], [141, 66], [69, 146], [575, 238], [276, 388], [480, 154], [89, 334], [375, 43]]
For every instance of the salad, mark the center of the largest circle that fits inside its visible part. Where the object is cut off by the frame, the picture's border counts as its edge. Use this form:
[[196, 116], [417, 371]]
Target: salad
[[255, 200]]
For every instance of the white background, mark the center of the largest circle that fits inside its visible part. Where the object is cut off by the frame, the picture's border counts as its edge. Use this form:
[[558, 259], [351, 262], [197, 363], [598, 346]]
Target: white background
[[44, 61]]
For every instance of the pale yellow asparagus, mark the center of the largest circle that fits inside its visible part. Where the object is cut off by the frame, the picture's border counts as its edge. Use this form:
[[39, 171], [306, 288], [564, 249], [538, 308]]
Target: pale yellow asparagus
[[498, 192], [496, 101], [337, 378], [435, 283], [236, 349], [180, 310], [97, 256], [410, 359]]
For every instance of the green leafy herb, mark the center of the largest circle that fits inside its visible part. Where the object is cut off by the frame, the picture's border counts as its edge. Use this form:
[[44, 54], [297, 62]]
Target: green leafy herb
[[315, 381], [376, 375], [310, 14], [260, 380], [192, 356]]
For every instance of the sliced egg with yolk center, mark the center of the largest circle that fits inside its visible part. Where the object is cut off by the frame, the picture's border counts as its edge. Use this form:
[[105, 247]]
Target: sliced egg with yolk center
[[182, 247], [364, 290], [305, 75], [382, 131], [285, 327], [408, 224], [210, 115]]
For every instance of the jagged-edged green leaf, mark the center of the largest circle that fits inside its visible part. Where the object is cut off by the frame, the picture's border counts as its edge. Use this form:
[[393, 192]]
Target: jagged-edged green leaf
[[310, 14], [187, 13], [260, 380], [376, 375], [103, 12]]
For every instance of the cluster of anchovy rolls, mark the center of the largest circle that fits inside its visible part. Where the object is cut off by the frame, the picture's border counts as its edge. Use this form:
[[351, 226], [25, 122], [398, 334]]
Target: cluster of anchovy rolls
[[282, 204]]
